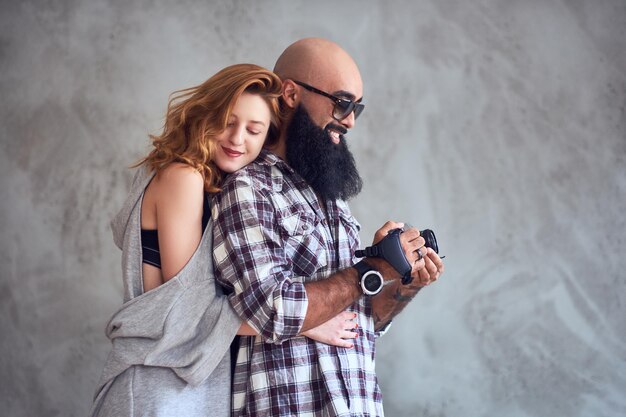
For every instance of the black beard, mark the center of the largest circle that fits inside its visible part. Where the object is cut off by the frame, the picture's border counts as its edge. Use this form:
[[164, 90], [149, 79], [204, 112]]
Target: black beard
[[327, 167]]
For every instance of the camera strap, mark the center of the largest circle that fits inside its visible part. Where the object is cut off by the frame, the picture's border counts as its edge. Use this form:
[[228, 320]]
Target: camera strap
[[390, 249]]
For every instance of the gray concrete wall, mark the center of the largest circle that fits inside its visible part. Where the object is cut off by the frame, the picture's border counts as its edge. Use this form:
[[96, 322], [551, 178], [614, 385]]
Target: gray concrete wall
[[500, 124]]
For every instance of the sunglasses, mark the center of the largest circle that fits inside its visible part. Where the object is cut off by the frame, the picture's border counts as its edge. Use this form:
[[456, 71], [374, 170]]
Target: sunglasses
[[343, 107]]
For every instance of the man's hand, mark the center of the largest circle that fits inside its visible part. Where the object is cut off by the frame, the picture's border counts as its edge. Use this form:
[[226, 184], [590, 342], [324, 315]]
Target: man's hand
[[433, 268], [414, 251], [427, 268]]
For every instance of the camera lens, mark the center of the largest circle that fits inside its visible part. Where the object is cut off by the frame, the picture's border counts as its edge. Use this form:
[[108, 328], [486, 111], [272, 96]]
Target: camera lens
[[431, 240]]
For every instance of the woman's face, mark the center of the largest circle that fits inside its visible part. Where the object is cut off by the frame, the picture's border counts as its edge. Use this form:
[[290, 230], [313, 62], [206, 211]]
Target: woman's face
[[245, 133]]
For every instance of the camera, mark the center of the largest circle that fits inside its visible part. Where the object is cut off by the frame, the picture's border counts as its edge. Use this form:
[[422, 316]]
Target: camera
[[391, 251], [431, 240]]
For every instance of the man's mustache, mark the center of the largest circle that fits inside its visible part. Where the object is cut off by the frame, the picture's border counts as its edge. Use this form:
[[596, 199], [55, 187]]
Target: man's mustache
[[337, 128]]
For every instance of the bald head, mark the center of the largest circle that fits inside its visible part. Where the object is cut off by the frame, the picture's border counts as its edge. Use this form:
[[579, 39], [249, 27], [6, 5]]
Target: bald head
[[322, 63], [322, 90]]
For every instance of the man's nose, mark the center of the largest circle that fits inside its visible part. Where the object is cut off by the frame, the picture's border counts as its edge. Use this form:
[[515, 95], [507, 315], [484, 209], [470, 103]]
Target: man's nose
[[349, 121]]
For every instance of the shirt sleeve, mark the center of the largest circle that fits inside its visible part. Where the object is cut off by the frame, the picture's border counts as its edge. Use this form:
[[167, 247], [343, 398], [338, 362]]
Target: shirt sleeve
[[250, 259]]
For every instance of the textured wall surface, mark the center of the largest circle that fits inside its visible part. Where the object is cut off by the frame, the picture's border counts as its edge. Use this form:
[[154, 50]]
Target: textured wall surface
[[500, 124]]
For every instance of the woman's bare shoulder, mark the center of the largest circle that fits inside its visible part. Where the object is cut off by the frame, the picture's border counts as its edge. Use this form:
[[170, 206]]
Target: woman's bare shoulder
[[179, 178]]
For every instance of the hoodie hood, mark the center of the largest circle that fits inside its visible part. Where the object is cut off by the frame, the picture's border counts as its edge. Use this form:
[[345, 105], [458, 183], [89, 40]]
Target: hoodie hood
[[120, 223], [126, 227]]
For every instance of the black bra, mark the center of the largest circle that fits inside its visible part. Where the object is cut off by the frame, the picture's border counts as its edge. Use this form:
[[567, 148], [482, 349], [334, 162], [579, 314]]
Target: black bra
[[150, 238]]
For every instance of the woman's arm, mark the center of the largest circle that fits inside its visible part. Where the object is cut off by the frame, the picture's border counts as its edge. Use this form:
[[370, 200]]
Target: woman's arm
[[179, 205], [337, 331], [246, 330]]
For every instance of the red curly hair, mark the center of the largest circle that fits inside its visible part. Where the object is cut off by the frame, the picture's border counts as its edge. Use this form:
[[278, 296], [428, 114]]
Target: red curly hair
[[196, 115]]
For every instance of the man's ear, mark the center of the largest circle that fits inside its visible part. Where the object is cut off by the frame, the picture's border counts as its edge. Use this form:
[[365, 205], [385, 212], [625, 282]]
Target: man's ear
[[290, 94]]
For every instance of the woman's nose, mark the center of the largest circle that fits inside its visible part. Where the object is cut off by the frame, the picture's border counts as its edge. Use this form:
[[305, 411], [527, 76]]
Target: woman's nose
[[237, 136]]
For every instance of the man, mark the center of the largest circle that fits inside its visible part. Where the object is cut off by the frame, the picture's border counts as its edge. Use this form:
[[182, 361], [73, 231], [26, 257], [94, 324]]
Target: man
[[284, 242]]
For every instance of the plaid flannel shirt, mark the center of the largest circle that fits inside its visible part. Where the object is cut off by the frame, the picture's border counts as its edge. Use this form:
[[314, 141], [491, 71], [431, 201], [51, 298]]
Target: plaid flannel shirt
[[270, 237]]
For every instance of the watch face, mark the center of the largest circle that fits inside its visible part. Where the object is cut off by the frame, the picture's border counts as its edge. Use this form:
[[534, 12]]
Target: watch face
[[372, 282]]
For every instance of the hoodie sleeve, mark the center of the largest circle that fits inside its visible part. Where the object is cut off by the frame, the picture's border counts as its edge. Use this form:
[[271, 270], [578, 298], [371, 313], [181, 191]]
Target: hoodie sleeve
[[185, 324]]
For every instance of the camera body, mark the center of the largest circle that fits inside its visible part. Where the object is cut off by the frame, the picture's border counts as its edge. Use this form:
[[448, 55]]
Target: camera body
[[390, 249]]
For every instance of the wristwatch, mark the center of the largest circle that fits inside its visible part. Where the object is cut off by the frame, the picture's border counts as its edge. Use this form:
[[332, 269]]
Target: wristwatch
[[370, 280]]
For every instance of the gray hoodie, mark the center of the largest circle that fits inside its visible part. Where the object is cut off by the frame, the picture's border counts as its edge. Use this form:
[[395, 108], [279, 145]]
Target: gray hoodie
[[170, 353]]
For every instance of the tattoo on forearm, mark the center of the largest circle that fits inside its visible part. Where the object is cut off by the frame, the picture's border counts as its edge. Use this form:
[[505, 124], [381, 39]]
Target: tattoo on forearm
[[402, 300], [394, 303], [399, 297]]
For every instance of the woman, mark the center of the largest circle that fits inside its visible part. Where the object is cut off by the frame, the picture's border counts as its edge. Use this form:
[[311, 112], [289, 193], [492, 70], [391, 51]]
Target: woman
[[171, 337]]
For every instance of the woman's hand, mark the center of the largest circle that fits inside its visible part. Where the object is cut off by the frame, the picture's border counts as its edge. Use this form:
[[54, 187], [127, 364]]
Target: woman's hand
[[337, 331]]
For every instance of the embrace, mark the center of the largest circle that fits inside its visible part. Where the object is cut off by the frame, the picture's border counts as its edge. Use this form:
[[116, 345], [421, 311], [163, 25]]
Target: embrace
[[242, 292]]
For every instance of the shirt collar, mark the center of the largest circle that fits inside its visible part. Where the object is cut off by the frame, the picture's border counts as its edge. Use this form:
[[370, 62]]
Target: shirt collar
[[267, 157]]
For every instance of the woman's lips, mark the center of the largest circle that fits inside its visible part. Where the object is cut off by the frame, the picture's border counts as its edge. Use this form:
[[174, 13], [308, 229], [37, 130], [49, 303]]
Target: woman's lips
[[231, 152]]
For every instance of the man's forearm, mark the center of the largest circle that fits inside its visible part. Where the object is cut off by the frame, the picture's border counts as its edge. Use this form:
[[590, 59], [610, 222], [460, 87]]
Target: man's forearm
[[390, 302], [329, 297]]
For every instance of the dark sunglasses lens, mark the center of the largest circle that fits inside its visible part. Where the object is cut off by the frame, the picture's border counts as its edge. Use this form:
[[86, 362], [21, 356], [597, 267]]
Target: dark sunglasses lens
[[358, 109], [342, 109]]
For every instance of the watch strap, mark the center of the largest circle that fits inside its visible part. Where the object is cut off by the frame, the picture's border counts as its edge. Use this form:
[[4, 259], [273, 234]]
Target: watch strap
[[362, 267]]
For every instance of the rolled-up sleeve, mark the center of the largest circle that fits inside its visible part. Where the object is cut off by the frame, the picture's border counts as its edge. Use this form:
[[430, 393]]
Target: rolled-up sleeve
[[250, 259]]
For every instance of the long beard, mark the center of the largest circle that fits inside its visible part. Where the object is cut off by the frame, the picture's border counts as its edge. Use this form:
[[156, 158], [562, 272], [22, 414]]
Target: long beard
[[327, 167]]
